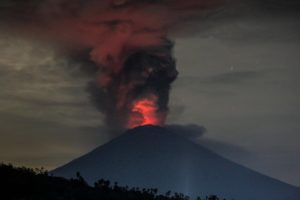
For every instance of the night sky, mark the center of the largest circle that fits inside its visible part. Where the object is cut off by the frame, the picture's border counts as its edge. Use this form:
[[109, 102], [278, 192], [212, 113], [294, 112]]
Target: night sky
[[238, 77]]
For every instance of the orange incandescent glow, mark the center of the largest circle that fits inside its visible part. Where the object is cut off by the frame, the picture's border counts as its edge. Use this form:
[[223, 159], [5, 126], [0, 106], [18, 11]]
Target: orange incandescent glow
[[145, 112]]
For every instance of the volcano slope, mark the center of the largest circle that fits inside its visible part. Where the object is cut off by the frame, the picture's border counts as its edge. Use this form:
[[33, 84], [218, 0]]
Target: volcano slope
[[155, 157]]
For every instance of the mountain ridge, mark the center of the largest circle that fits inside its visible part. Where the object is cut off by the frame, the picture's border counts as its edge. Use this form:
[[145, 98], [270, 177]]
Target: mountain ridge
[[152, 156]]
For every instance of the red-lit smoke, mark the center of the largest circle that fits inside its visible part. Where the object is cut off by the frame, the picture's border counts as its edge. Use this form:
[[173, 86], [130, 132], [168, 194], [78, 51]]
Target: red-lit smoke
[[144, 112], [139, 92], [126, 39]]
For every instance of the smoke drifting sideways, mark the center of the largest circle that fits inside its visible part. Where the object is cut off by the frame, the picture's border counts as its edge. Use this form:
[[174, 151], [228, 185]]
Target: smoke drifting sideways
[[126, 39]]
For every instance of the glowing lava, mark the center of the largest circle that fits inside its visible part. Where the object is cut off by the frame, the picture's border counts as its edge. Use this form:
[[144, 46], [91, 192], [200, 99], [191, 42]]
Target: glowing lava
[[145, 112]]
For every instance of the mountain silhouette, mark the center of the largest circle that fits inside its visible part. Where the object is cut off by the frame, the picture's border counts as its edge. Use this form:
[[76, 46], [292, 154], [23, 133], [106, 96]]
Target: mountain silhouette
[[155, 157]]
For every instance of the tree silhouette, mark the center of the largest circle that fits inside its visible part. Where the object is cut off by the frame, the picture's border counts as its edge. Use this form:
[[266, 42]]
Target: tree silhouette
[[37, 184]]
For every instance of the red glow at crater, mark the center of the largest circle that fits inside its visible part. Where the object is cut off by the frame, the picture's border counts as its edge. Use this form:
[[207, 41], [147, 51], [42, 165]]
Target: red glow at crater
[[145, 112]]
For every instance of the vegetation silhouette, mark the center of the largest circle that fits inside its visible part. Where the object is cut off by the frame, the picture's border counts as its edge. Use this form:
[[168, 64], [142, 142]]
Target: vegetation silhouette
[[21, 183]]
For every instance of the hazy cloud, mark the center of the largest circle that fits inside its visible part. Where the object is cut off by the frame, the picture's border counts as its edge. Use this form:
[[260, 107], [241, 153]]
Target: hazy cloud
[[37, 82]]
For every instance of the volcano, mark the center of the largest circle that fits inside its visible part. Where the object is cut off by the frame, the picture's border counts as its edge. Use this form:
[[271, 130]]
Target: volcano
[[155, 157]]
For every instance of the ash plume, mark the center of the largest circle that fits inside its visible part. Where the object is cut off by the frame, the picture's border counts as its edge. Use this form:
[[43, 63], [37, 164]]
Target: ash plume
[[147, 73], [126, 39]]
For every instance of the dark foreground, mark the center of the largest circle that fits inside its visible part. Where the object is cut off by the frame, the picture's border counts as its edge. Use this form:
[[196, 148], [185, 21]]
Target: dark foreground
[[28, 184]]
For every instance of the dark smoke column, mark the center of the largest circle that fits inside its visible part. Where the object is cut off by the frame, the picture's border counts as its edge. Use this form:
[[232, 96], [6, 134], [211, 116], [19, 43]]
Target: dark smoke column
[[127, 40], [136, 67], [138, 92]]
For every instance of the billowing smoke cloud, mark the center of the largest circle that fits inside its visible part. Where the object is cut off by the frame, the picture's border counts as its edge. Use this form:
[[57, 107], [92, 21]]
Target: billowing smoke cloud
[[127, 40], [138, 94]]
